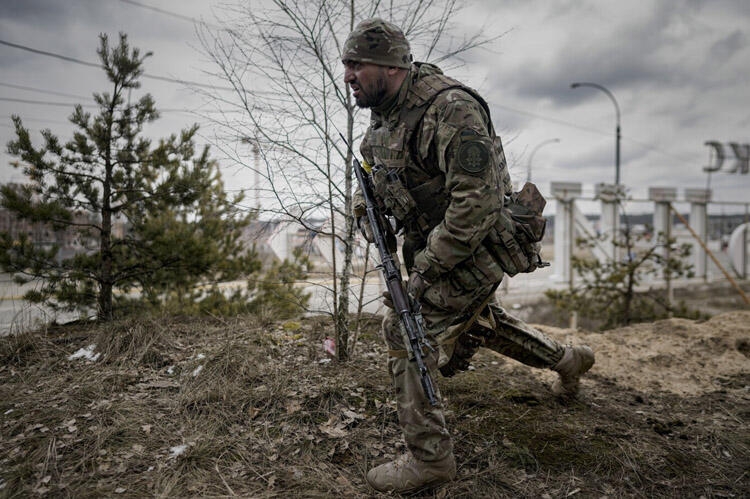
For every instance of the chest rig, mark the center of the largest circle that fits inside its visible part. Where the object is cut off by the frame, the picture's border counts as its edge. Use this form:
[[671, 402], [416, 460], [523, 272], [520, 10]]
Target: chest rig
[[412, 189]]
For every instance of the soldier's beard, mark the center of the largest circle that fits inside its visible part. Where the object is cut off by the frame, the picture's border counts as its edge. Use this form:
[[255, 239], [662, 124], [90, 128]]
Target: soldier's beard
[[373, 95]]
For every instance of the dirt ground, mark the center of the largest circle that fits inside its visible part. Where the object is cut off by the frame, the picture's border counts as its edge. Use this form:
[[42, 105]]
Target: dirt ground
[[224, 408]]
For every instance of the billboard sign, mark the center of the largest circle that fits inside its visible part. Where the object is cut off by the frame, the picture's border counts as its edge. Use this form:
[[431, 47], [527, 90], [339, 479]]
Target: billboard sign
[[718, 154]]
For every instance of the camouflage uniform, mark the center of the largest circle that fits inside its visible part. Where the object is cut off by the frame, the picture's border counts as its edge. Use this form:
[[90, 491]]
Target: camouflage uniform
[[440, 172], [468, 196]]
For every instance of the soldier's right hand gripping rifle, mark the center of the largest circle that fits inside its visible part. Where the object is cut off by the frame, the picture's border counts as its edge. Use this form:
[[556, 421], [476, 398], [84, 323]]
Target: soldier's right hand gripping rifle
[[407, 308]]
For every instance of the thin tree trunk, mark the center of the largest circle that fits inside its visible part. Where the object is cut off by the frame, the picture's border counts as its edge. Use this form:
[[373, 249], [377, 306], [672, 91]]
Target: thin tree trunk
[[105, 245]]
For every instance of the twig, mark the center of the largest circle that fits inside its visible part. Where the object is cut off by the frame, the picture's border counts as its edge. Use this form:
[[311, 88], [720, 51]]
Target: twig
[[231, 492]]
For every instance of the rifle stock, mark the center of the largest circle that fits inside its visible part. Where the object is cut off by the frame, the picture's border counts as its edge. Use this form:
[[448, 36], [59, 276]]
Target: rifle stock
[[408, 309]]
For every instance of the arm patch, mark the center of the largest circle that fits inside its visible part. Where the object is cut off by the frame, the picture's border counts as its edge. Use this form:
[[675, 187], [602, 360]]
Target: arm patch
[[473, 155]]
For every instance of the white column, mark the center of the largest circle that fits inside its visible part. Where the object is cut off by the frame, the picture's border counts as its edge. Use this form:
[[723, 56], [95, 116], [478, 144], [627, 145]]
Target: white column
[[565, 233], [698, 199], [609, 222], [662, 197]]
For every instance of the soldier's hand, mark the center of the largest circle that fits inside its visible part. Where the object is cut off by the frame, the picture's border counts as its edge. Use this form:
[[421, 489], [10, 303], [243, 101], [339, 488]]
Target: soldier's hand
[[417, 285], [387, 299], [365, 228]]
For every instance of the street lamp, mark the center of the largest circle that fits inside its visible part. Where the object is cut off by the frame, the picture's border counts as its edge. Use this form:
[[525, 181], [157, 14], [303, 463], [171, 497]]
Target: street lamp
[[528, 168], [617, 130]]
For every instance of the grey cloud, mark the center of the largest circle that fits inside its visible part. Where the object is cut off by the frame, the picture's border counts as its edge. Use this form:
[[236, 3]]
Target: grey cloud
[[635, 53], [32, 11], [724, 49], [52, 14], [738, 7]]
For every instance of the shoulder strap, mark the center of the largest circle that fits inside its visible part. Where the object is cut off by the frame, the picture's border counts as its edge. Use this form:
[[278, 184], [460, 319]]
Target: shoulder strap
[[424, 92]]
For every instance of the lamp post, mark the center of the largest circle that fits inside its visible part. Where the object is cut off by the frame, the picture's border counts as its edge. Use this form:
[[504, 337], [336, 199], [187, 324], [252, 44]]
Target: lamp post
[[617, 130], [531, 156]]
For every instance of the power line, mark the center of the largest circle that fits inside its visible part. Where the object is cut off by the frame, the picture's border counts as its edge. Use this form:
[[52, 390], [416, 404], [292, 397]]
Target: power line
[[44, 103], [91, 64], [72, 104], [169, 13], [546, 118], [188, 111], [42, 91], [49, 54], [40, 120], [203, 85], [591, 130]]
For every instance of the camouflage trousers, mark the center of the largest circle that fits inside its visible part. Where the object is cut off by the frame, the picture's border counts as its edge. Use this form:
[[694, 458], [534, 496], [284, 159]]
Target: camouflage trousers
[[444, 307]]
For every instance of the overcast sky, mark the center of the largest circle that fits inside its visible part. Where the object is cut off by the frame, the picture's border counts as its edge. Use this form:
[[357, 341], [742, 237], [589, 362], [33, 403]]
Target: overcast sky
[[679, 70]]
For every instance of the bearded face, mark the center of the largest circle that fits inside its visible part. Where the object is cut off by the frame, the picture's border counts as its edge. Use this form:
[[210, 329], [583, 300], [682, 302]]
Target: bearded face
[[371, 94], [368, 84]]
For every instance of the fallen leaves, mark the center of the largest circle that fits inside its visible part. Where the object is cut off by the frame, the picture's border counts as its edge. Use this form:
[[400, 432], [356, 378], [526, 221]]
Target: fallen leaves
[[266, 419]]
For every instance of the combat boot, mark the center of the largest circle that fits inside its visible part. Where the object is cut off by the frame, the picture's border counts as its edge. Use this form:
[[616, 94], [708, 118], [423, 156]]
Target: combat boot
[[407, 474], [575, 362]]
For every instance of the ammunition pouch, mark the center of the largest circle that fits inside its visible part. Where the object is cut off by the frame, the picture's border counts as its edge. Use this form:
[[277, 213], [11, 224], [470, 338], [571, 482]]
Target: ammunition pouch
[[396, 198], [431, 196], [419, 209], [514, 241]]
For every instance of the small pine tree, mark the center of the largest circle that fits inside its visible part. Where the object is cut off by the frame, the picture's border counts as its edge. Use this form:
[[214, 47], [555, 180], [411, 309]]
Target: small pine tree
[[609, 293], [276, 296], [180, 228]]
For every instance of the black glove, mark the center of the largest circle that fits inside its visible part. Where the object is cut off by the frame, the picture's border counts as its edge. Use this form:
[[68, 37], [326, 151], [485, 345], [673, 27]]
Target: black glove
[[365, 228], [417, 285]]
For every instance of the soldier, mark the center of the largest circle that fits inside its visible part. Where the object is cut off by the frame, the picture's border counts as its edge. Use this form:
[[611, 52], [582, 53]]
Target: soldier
[[439, 171]]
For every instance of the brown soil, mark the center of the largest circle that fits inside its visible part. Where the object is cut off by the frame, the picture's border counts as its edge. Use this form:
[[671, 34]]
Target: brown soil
[[186, 408]]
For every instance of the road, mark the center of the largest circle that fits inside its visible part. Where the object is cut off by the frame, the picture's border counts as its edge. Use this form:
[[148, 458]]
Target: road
[[515, 293]]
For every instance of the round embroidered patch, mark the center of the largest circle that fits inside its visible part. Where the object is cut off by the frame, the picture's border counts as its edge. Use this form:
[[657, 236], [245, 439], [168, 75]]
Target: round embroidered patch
[[473, 156]]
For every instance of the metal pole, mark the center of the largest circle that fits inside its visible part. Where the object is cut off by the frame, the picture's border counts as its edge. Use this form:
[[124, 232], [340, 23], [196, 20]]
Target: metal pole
[[668, 256], [571, 281], [617, 151], [528, 167], [617, 125], [744, 244]]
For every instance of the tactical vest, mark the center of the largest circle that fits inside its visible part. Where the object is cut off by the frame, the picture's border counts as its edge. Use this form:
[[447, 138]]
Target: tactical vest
[[411, 190], [414, 192]]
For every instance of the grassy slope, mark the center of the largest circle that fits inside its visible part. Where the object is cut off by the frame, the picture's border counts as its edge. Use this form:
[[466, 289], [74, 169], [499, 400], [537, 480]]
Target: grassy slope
[[261, 416]]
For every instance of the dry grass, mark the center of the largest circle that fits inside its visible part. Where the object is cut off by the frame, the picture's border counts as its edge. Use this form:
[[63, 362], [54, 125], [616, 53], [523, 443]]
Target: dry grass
[[210, 408]]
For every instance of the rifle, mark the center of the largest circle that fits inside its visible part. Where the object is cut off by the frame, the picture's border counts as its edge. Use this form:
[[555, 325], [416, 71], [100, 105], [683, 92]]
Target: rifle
[[408, 309]]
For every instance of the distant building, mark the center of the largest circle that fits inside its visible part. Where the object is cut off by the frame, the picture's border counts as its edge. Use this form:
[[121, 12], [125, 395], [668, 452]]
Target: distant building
[[69, 240]]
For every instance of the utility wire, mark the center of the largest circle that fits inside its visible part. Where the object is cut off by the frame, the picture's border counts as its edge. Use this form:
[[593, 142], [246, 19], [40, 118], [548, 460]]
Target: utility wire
[[546, 118], [188, 111], [49, 54], [44, 103], [42, 91], [170, 13], [203, 85], [73, 104], [93, 65], [592, 130], [42, 120]]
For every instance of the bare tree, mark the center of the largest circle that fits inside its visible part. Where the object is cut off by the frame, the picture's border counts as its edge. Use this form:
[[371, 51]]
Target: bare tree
[[283, 61]]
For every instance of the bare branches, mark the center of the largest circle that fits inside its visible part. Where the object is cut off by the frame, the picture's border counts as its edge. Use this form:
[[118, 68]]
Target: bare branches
[[290, 102]]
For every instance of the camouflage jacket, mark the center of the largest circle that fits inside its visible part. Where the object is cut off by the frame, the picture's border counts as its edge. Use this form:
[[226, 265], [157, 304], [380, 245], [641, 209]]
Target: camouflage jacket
[[453, 171]]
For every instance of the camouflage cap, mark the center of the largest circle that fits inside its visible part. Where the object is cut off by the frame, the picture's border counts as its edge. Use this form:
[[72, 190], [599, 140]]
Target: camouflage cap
[[378, 42]]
